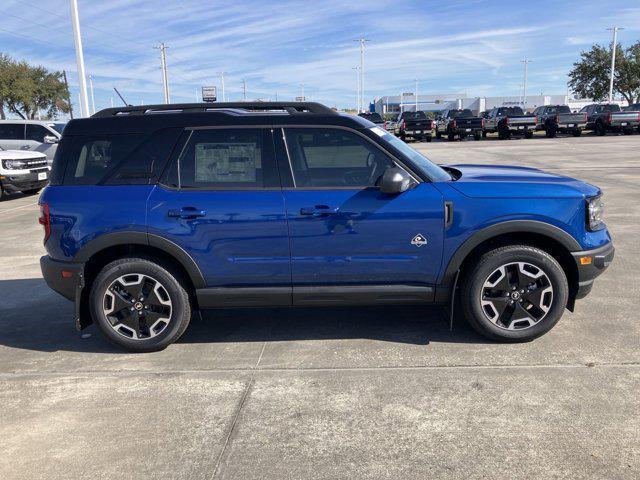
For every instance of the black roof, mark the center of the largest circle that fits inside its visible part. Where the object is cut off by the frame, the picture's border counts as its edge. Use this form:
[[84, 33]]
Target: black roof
[[148, 118]]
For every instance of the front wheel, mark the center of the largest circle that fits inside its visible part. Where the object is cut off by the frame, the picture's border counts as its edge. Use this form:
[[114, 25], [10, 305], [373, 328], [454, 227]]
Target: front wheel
[[139, 304], [514, 293]]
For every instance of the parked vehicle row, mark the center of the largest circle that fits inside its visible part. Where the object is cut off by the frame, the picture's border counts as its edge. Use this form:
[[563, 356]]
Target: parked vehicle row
[[510, 122]]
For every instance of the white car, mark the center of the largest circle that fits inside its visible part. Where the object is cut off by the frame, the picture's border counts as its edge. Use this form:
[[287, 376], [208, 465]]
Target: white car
[[34, 135], [26, 172]]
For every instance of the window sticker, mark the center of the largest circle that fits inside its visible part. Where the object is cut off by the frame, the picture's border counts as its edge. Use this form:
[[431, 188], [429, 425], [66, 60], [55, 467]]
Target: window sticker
[[225, 162]]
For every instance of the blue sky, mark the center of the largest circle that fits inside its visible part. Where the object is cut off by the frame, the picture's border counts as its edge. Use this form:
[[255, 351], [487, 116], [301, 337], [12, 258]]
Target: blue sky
[[471, 46]]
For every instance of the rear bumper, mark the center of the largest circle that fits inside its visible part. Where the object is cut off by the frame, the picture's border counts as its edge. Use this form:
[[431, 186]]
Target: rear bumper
[[67, 283], [419, 133], [591, 264]]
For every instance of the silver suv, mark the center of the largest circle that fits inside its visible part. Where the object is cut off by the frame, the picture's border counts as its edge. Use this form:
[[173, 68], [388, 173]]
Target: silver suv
[[35, 135]]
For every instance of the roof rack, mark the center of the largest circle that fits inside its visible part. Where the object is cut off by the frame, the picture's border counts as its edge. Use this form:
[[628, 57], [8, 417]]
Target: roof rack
[[292, 108]]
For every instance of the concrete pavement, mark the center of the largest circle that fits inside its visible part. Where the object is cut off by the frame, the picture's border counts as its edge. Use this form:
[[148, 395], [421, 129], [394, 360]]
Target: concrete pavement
[[333, 393]]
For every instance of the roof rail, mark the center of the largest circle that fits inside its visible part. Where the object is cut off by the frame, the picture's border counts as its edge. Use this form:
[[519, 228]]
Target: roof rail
[[292, 108]]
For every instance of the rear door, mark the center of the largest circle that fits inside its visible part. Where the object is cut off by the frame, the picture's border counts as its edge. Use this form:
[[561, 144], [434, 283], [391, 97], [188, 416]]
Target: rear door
[[222, 203], [343, 230]]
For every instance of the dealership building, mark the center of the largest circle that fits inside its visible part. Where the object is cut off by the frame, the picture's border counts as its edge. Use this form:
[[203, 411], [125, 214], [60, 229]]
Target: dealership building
[[437, 102]]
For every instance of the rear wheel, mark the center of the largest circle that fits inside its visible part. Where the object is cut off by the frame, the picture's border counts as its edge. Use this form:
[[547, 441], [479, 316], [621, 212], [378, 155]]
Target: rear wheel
[[478, 136], [438, 135], [514, 294], [484, 134], [139, 304], [576, 133], [528, 134], [600, 129], [451, 137], [428, 138], [550, 131]]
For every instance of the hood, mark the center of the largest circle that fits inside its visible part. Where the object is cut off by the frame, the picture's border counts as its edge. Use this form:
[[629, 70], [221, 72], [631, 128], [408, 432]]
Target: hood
[[21, 155], [493, 181]]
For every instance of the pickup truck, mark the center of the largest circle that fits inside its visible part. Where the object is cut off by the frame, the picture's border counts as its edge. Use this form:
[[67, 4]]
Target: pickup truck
[[608, 117], [416, 125], [459, 123], [374, 117], [555, 119], [634, 107], [509, 121]]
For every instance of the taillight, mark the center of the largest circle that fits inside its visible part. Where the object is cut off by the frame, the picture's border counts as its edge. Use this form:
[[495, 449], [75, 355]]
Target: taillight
[[585, 118], [454, 124], [506, 120], [482, 122], [609, 118], [384, 125], [404, 125], [639, 117], [45, 221], [557, 120], [433, 125]]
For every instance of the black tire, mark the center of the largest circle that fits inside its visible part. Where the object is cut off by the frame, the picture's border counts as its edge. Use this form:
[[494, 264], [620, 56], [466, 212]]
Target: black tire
[[600, 129], [484, 134], [528, 134], [479, 272], [170, 281], [451, 137], [438, 135], [33, 191], [478, 136], [576, 133], [628, 131], [550, 132], [403, 137], [428, 138], [503, 134]]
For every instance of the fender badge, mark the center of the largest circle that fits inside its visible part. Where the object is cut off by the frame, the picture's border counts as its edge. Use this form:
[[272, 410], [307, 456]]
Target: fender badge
[[419, 240]]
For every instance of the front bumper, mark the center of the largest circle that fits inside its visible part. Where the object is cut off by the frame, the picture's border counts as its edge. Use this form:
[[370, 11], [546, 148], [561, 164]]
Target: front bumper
[[592, 263], [20, 182]]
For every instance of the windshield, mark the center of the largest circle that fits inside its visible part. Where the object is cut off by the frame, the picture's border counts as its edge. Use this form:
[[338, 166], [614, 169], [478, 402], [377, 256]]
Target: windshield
[[426, 166], [58, 127]]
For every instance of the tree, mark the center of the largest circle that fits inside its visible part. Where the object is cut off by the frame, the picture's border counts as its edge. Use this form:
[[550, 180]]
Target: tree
[[590, 76], [27, 91]]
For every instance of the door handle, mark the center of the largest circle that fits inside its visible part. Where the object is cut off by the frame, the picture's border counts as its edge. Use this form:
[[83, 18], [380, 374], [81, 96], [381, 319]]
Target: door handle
[[186, 213], [319, 211]]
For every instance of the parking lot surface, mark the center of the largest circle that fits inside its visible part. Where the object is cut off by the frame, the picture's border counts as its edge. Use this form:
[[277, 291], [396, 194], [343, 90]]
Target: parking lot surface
[[333, 393]]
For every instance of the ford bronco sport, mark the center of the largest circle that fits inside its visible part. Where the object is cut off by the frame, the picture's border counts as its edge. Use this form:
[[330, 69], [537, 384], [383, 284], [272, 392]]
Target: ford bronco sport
[[155, 211]]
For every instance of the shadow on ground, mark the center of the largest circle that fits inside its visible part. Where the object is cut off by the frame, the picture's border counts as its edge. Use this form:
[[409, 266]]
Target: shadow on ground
[[32, 317]]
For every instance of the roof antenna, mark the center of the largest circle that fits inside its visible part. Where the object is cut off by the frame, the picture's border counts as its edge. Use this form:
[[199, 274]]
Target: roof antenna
[[121, 98]]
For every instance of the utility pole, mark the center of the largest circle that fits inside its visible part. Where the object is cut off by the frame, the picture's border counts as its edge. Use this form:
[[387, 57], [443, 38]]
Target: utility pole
[[416, 94], [362, 42], [524, 86], [165, 77], [93, 99], [75, 20], [357, 69], [64, 76], [224, 96], [244, 89], [614, 45], [302, 91]]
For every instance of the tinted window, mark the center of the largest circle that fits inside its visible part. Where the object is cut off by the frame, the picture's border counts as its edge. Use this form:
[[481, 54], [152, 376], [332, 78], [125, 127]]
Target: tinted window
[[419, 115], [37, 133], [559, 109], [91, 158], [611, 108], [58, 127], [372, 117], [334, 158], [218, 158], [11, 131], [466, 113]]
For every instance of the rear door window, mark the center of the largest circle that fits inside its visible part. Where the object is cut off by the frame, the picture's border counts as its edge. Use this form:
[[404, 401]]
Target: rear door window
[[225, 158], [11, 131]]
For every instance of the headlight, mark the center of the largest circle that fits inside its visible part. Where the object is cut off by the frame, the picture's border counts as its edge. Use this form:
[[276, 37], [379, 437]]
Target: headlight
[[13, 164], [595, 213]]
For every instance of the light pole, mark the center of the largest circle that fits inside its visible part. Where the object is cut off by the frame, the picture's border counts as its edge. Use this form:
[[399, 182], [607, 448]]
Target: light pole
[[614, 44], [362, 42], [165, 76], [93, 100], [524, 85], [357, 69], [302, 92], [224, 96], [416, 94], [244, 89], [75, 21]]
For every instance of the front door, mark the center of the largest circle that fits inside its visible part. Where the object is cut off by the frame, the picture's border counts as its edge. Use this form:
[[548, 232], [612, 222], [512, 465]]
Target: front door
[[222, 204], [343, 230]]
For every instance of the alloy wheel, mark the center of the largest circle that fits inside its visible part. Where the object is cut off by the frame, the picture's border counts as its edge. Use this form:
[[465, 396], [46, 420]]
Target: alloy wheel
[[516, 296], [137, 306]]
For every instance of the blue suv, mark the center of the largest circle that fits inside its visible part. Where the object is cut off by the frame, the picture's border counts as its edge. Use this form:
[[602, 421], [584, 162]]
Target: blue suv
[[156, 211]]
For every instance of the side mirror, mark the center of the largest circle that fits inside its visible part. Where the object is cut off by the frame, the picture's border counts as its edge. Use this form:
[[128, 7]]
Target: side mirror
[[50, 139], [395, 180]]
